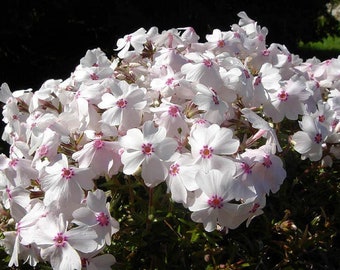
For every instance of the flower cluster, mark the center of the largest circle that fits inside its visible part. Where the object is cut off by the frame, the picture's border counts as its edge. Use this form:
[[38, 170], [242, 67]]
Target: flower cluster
[[201, 117]]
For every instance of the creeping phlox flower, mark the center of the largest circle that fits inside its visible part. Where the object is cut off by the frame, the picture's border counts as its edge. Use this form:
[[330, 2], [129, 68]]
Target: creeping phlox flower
[[203, 118]]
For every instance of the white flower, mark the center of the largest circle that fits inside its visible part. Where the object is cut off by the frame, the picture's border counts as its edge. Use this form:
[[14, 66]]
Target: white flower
[[148, 148], [96, 215], [211, 205], [210, 102], [288, 101], [124, 105], [59, 245], [63, 183], [181, 178], [210, 144], [308, 142], [202, 68], [135, 39]]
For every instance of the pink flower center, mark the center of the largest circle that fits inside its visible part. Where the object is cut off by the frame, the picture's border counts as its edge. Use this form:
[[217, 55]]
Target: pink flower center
[[207, 63], [265, 52], [98, 144], [334, 123], [121, 103], [43, 150], [322, 118], [13, 162], [215, 99], [60, 240], [257, 80], [246, 168], [174, 169], [246, 73], [267, 162], [128, 38], [173, 111], [254, 208], [102, 219], [283, 95], [215, 202], [9, 193], [147, 149], [318, 138], [289, 58], [206, 151], [94, 76], [200, 121], [67, 173], [220, 43], [169, 81]]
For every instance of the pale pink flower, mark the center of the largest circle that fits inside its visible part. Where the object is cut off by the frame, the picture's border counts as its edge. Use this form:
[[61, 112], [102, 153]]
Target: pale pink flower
[[171, 117], [93, 261], [28, 253], [288, 101], [148, 148], [45, 97], [135, 39], [265, 129], [124, 105], [168, 39], [170, 58], [211, 205], [189, 35], [47, 147], [308, 142], [181, 178], [202, 68], [100, 155], [96, 216], [19, 243], [334, 102], [19, 171], [267, 79], [325, 114], [220, 41], [259, 170], [208, 100], [251, 208], [15, 198], [165, 83], [93, 68], [210, 145], [59, 245], [255, 36], [63, 183], [92, 93], [95, 58]]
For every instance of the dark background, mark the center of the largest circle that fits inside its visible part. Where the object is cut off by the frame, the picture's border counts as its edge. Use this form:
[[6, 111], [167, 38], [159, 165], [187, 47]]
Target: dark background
[[40, 39]]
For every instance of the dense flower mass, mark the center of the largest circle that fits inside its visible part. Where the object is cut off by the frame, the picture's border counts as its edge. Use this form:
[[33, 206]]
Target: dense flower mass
[[202, 118]]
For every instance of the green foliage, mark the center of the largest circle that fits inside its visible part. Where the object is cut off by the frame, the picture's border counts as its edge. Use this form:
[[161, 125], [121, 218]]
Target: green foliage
[[326, 48]]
